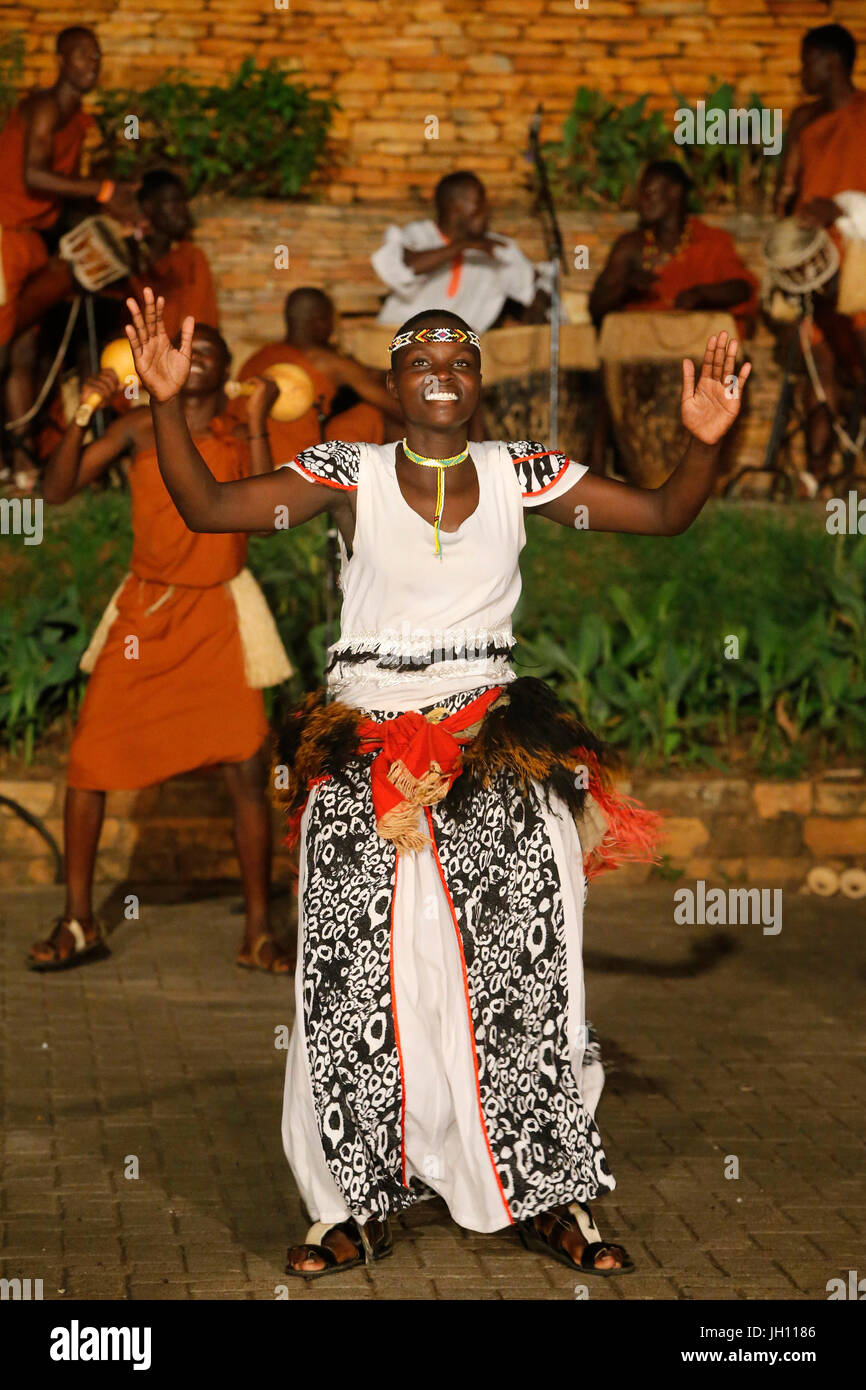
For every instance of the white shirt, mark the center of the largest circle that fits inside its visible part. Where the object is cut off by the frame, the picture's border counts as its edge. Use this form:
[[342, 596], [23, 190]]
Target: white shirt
[[402, 601], [476, 289]]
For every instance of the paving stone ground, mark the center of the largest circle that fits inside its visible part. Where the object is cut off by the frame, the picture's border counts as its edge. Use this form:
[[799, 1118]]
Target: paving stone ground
[[719, 1043]]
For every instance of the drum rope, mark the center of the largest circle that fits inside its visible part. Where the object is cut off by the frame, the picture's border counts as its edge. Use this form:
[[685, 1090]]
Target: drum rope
[[853, 446], [52, 371]]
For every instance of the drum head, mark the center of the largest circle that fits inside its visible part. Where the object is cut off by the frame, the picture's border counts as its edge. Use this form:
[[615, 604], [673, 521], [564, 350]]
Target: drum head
[[297, 392]]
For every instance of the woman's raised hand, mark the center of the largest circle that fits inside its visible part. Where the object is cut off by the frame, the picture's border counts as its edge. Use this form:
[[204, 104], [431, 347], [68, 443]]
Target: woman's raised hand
[[710, 406], [163, 369]]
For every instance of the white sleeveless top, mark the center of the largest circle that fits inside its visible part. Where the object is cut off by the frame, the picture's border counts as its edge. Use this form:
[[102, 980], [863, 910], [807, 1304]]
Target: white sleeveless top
[[417, 626]]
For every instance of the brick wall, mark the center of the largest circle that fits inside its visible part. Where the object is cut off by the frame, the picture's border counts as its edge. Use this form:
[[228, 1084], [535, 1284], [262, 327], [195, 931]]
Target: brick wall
[[481, 68], [718, 827]]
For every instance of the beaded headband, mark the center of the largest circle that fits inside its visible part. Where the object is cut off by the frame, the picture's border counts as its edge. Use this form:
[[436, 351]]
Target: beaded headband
[[434, 335]]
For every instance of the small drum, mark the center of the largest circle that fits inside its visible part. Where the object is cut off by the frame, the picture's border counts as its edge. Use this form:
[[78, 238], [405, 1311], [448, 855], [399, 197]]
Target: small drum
[[297, 392], [97, 252], [642, 355], [799, 259]]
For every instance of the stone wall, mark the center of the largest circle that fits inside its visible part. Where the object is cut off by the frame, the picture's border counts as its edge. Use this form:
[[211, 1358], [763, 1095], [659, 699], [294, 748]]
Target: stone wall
[[718, 828], [481, 69]]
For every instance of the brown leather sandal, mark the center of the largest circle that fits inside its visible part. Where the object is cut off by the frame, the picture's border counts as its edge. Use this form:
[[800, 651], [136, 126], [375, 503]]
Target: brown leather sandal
[[371, 1241], [82, 949], [575, 1216], [281, 961]]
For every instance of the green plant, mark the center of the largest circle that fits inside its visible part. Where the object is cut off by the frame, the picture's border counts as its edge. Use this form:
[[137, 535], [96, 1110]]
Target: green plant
[[727, 174], [632, 630], [12, 51], [41, 641], [603, 147], [262, 134]]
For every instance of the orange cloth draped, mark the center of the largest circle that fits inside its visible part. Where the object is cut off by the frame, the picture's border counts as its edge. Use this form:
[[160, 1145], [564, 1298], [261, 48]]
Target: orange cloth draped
[[183, 276], [833, 160], [361, 424], [22, 250], [708, 258], [19, 207], [182, 702], [833, 153]]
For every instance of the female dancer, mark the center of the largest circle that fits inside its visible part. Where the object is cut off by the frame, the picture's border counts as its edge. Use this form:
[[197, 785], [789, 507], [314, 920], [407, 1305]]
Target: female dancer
[[443, 809]]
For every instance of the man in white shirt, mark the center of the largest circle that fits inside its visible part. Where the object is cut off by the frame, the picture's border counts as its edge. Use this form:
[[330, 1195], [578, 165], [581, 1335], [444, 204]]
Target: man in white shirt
[[454, 262]]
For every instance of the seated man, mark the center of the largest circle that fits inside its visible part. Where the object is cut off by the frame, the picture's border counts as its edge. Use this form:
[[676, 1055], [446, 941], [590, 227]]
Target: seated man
[[176, 267], [40, 154], [454, 262], [673, 260], [823, 177], [350, 396]]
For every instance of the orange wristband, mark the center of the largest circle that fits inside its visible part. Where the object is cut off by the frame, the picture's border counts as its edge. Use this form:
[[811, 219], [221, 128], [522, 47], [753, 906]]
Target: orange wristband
[[106, 191]]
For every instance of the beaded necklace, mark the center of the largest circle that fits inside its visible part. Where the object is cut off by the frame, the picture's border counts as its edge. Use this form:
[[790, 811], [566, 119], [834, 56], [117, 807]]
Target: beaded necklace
[[651, 252], [441, 465]]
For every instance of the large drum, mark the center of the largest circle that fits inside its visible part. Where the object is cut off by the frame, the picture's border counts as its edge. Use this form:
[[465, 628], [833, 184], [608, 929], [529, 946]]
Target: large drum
[[516, 375], [641, 355]]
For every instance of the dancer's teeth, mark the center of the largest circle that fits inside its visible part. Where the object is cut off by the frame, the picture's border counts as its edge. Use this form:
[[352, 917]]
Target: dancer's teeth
[[433, 393]]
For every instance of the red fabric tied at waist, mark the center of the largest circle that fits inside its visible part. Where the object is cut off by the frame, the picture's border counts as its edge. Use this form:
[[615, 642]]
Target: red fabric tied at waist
[[419, 759]]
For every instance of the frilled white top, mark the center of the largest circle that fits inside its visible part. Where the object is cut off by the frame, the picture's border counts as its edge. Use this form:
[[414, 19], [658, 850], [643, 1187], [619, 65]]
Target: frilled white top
[[416, 626]]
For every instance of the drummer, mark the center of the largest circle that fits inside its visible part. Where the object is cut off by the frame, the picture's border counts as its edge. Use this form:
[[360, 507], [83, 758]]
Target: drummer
[[453, 261], [673, 260], [823, 169], [351, 397], [40, 153], [175, 266]]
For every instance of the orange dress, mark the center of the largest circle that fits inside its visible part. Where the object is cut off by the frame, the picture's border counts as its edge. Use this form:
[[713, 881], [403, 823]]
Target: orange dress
[[183, 276], [833, 160], [709, 257], [23, 213], [362, 424], [168, 692]]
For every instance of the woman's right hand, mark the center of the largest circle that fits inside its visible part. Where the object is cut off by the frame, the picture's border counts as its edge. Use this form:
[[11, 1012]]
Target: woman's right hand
[[163, 369]]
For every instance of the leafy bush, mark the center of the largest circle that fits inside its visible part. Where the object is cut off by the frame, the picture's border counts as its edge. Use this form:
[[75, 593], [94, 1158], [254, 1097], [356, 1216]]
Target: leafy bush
[[604, 147], [12, 50], [631, 629], [261, 135]]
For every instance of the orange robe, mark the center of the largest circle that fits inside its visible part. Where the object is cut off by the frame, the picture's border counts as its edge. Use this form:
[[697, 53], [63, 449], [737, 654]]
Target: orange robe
[[23, 213], [833, 160], [183, 276], [182, 702], [833, 153], [708, 258], [362, 424]]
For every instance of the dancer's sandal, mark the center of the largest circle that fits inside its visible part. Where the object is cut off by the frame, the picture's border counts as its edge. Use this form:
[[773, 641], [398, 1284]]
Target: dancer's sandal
[[82, 950], [575, 1216], [281, 961], [372, 1242]]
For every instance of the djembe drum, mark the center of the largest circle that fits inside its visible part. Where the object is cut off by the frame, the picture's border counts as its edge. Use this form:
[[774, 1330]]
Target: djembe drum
[[96, 250], [641, 355]]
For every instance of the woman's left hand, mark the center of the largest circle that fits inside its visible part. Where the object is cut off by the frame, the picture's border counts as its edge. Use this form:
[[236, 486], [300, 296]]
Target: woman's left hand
[[711, 406]]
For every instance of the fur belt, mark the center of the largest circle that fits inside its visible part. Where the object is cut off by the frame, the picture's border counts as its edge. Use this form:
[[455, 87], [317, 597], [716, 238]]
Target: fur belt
[[521, 729]]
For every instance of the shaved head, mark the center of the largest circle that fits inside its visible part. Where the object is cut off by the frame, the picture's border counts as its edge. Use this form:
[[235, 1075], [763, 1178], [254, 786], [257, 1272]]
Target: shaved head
[[68, 38]]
